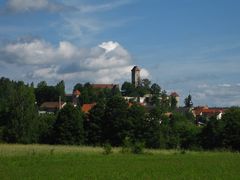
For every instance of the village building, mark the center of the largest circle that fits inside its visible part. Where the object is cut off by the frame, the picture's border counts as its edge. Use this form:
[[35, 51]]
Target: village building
[[207, 112], [51, 107]]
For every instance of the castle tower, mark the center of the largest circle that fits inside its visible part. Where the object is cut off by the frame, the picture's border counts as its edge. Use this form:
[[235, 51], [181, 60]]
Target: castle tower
[[136, 80]]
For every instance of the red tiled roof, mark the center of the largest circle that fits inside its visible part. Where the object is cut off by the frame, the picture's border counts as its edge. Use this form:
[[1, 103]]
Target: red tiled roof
[[104, 86], [208, 111], [52, 105], [87, 107]]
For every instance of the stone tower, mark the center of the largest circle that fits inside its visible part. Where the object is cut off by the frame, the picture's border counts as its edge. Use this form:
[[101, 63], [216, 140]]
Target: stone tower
[[136, 80]]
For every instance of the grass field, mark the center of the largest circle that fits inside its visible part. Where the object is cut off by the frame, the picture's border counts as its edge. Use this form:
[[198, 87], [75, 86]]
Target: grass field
[[73, 162]]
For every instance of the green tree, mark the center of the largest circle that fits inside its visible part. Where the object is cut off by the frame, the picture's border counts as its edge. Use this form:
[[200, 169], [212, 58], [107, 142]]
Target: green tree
[[184, 134], [137, 122], [155, 89], [155, 100], [231, 130], [44, 93], [45, 128], [211, 135], [116, 124], [88, 94], [164, 102], [188, 101], [68, 128], [128, 89], [78, 86], [153, 129], [146, 83], [173, 102], [93, 125], [60, 88], [42, 84], [21, 121], [6, 92]]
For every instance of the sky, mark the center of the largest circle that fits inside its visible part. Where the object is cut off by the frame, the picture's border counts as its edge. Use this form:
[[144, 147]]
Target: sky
[[187, 46]]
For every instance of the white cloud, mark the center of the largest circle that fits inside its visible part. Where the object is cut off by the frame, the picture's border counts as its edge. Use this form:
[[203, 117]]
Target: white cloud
[[37, 52], [109, 46], [21, 6], [106, 63], [102, 7]]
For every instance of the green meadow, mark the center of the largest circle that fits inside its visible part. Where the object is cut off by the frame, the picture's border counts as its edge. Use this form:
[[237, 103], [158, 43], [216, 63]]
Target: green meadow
[[77, 162]]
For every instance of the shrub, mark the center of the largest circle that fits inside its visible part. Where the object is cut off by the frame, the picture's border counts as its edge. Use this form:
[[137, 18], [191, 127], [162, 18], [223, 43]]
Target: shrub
[[107, 149], [137, 148], [127, 144]]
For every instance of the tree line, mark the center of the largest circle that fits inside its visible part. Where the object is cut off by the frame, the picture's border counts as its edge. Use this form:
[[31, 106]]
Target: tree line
[[112, 120]]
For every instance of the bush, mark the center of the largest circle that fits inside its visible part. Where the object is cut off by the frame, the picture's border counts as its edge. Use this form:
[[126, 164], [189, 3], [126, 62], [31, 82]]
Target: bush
[[137, 148], [127, 144], [107, 149]]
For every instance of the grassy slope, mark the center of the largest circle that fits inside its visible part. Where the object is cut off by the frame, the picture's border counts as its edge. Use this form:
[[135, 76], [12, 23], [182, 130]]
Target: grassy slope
[[64, 162]]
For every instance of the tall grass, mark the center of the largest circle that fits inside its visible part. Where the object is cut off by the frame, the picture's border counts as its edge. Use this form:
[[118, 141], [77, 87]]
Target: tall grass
[[79, 162]]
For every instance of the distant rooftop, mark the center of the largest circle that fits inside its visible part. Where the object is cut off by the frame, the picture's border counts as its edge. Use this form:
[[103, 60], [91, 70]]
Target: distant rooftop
[[104, 86], [87, 107]]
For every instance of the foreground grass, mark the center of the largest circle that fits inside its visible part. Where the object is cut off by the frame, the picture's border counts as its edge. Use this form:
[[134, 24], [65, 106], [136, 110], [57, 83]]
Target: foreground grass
[[73, 162]]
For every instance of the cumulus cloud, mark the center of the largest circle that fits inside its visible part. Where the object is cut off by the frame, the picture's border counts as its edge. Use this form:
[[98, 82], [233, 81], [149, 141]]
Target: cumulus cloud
[[106, 63], [37, 52], [20, 6]]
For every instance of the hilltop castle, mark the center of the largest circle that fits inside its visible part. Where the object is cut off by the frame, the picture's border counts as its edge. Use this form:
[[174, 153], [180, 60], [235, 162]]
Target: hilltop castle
[[136, 79]]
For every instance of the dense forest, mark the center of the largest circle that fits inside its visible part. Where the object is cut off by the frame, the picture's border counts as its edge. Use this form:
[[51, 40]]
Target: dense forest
[[112, 120]]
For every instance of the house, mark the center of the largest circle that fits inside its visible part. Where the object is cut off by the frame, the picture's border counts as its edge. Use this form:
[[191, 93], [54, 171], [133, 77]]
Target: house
[[51, 107], [208, 112], [144, 100]]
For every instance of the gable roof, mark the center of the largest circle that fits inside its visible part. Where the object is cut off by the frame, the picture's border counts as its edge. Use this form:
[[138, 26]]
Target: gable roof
[[52, 105], [87, 107], [207, 111]]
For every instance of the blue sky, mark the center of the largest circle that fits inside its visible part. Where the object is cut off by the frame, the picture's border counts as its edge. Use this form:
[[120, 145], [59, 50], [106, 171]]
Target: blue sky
[[185, 46]]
